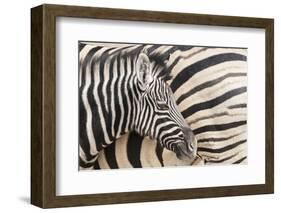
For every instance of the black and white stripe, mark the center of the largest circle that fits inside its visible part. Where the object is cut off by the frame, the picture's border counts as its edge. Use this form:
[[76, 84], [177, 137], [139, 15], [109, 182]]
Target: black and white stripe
[[123, 88], [210, 88]]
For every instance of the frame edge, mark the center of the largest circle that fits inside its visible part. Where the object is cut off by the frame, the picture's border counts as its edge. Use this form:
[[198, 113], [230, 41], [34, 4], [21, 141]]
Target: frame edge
[[269, 120], [37, 190]]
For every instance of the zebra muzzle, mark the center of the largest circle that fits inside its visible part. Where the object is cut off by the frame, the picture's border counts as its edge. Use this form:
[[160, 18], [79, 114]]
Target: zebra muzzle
[[183, 152], [187, 149]]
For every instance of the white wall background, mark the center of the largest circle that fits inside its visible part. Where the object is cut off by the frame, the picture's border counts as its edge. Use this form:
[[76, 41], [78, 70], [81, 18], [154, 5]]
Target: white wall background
[[15, 104]]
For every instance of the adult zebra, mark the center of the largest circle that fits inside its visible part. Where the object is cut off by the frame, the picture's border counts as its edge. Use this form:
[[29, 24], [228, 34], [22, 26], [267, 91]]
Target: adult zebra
[[209, 85], [123, 88]]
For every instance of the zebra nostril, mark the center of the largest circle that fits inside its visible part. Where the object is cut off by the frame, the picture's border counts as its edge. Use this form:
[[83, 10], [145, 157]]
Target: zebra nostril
[[189, 139], [181, 150], [191, 146]]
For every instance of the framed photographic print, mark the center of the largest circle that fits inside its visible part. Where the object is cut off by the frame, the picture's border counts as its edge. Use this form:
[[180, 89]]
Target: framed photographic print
[[135, 106]]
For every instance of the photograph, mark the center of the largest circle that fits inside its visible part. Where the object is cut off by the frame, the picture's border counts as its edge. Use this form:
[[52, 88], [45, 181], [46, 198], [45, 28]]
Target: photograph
[[161, 105]]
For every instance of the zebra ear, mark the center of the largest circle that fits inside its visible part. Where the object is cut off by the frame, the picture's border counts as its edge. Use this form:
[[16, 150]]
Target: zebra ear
[[143, 68]]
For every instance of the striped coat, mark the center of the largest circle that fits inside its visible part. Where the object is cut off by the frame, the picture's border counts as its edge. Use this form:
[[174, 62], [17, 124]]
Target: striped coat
[[210, 88]]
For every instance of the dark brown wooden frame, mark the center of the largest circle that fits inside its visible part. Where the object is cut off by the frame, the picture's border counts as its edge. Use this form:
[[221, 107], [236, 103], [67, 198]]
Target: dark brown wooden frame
[[43, 105]]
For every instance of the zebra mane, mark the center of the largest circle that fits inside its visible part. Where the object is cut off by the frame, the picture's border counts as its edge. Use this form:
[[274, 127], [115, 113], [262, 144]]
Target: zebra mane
[[161, 63], [157, 59]]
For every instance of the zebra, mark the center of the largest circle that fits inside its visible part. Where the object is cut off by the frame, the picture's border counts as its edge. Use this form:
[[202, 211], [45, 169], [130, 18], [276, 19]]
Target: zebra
[[210, 88], [123, 88]]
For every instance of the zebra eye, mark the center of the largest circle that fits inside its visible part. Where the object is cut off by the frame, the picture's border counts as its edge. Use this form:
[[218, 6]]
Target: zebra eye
[[162, 105]]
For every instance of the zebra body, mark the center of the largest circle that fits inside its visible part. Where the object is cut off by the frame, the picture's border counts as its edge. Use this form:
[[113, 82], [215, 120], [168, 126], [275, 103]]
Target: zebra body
[[124, 88], [210, 89]]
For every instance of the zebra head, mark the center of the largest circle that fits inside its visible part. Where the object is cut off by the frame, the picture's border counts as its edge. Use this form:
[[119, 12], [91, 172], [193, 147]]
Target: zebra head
[[158, 116]]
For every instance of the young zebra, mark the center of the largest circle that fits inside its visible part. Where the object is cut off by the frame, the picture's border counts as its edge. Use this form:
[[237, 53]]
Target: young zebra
[[123, 89], [209, 85]]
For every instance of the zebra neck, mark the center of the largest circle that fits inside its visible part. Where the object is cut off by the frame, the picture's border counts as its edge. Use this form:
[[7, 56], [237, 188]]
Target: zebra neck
[[117, 103], [124, 109]]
